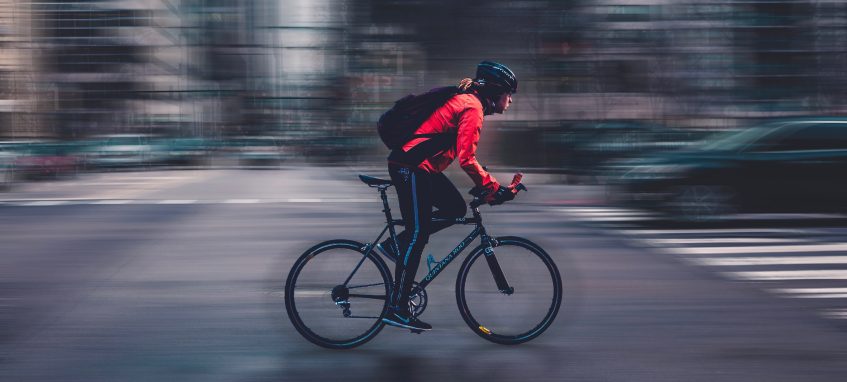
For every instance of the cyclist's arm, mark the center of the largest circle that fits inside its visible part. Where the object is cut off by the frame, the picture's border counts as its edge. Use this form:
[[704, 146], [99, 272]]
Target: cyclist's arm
[[470, 125]]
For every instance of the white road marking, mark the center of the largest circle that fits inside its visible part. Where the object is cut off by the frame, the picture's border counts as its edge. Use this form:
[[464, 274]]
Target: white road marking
[[835, 247], [241, 201], [707, 231], [177, 201], [723, 240], [46, 203], [810, 290], [839, 274], [602, 211], [739, 261], [813, 292], [613, 218], [111, 201], [835, 313], [608, 214], [305, 200]]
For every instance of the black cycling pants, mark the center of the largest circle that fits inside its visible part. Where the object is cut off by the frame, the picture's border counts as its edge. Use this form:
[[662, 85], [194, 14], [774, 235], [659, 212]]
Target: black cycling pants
[[418, 192]]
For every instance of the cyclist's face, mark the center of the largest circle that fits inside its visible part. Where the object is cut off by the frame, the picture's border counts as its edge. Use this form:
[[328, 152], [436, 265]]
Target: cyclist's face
[[503, 103]]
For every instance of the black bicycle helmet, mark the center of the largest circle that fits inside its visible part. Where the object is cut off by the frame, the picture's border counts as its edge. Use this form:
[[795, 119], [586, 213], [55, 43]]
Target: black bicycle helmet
[[492, 74]]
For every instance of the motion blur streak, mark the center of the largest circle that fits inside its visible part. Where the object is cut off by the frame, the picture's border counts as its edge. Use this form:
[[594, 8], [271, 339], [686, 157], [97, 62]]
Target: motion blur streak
[[164, 162]]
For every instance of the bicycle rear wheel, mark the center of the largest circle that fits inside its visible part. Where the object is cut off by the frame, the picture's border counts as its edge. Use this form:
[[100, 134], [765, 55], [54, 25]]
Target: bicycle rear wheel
[[516, 316], [336, 294]]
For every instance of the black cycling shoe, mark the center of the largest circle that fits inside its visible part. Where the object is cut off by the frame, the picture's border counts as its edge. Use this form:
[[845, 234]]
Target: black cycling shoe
[[405, 320], [387, 249]]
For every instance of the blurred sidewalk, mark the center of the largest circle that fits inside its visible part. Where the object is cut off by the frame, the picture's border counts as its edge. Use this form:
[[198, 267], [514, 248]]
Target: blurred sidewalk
[[297, 184]]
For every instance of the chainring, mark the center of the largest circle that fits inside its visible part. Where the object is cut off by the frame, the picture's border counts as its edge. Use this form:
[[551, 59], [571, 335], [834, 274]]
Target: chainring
[[417, 300]]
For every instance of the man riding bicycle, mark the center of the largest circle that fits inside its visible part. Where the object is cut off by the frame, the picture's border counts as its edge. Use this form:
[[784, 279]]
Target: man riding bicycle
[[453, 130]]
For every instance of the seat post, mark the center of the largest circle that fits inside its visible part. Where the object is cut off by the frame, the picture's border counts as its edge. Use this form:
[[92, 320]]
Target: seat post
[[387, 210]]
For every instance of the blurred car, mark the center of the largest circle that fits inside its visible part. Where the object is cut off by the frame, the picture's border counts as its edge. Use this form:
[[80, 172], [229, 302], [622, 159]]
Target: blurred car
[[36, 159], [784, 166], [587, 147], [124, 150], [256, 150], [186, 151]]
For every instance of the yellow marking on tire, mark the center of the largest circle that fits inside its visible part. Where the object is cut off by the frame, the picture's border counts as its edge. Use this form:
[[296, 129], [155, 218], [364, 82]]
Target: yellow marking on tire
[[485, 330]]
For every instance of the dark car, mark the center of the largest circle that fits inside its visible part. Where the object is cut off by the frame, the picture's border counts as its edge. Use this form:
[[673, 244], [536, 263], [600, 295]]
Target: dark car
[[786, 166], [587, 148]]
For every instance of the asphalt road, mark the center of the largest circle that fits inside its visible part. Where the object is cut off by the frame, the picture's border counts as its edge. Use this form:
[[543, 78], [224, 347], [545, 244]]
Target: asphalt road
[[178, 276]]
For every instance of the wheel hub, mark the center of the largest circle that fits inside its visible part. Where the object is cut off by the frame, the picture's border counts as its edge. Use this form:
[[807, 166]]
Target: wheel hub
[[340, 293]]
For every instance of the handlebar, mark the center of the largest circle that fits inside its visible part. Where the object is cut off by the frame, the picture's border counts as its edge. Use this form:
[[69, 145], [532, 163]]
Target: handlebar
[[516, 186]]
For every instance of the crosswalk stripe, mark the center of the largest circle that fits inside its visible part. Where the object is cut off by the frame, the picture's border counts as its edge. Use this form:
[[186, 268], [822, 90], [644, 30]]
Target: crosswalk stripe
[[809, 290], [836, 247], [724, 240], [790, 275], [738, 261], [707, 231], [835, 313], [612, 218], [608, 214], [602, 211], [819, 293]]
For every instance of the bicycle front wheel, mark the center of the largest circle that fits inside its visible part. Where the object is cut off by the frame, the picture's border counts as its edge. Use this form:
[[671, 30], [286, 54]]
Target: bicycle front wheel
[[336, 294], [517, 315]]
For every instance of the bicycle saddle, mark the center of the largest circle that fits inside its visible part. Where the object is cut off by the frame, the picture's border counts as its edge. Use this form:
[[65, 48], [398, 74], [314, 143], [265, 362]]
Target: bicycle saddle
[[374, 182]]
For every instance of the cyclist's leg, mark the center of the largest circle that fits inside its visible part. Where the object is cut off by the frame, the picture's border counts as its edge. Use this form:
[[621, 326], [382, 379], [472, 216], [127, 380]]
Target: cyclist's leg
[[448, 200], [413, 191]]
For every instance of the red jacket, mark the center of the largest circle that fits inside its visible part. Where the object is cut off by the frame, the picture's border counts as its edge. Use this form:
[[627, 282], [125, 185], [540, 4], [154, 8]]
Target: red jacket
[[462, 115]]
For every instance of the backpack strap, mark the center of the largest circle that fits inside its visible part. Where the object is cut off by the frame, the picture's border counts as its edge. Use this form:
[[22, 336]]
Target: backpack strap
[[426, 149]]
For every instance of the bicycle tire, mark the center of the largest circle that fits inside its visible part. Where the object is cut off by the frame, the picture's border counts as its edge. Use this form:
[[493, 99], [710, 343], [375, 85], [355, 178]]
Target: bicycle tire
[[322, 292], [503, 335]]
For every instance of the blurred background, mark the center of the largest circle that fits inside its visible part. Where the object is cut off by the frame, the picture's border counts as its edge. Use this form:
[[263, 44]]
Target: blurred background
[[140, 242]]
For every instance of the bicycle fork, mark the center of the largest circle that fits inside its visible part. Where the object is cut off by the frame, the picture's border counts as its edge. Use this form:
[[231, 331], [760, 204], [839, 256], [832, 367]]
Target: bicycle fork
[[496, 271]]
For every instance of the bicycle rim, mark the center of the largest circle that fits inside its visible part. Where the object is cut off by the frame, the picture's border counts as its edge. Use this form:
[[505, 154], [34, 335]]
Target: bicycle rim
[[510, 318], [316, 296]]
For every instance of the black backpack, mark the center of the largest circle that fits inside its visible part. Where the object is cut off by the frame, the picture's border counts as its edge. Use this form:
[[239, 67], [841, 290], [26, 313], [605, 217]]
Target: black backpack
[[397, 125]]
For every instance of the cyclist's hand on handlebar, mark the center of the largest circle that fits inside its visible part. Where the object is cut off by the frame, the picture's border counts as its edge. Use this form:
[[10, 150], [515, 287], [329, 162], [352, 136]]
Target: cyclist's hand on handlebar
[[503, 194]]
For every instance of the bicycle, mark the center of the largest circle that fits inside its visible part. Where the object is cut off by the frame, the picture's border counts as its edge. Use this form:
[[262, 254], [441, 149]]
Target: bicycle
[[338, 291]]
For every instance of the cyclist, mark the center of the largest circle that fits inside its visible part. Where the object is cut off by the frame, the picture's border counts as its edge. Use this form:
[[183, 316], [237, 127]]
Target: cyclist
[[453, 130]]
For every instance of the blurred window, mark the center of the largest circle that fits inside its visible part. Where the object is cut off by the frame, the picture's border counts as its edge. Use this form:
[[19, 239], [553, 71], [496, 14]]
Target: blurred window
[[817, 136], [821, 136]]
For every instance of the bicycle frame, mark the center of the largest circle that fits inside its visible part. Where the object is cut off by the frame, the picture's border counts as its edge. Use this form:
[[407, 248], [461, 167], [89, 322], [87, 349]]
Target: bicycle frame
[[478, 231]]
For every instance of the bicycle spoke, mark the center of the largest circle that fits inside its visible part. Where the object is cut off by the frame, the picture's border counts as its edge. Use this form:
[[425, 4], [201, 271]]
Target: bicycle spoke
[[365, 286], [370, 296]]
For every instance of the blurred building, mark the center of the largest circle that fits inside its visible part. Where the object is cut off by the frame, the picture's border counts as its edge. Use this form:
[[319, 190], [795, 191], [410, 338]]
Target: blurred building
[[18, 117], [318, 73]]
